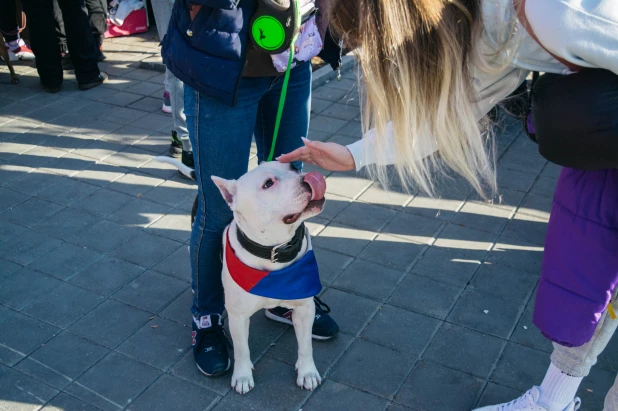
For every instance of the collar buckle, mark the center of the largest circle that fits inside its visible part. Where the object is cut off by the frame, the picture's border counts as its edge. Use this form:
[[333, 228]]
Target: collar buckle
[[275, 252]]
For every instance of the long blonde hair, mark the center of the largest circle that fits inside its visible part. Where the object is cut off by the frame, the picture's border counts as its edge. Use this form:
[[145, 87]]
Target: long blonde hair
[[415, 57]]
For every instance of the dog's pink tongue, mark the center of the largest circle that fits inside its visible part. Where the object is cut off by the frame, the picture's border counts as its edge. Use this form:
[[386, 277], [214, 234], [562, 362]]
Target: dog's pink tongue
[[317, 183]]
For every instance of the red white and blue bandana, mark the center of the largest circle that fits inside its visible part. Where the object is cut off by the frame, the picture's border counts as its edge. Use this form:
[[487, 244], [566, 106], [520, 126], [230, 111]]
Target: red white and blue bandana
[[295, 282]]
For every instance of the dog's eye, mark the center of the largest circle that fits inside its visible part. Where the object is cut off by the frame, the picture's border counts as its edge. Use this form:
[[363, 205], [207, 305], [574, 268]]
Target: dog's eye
[[268, 184]]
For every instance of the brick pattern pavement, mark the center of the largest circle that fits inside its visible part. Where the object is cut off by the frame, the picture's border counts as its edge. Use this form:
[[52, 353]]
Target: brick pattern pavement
[[434, 296]]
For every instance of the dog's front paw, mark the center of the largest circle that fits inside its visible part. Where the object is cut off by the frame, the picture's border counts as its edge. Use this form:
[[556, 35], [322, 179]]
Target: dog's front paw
[[308, 377], [242, 382]]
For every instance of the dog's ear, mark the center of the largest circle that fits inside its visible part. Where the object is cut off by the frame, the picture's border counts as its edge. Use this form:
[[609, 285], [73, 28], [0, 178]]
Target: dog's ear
[[227, 188]]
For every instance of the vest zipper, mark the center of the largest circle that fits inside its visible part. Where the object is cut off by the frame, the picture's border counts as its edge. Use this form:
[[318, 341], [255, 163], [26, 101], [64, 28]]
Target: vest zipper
[[242, 73]]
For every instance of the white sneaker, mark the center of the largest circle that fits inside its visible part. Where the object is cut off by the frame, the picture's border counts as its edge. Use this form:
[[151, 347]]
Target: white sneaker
[[19, 51], [528, 402]]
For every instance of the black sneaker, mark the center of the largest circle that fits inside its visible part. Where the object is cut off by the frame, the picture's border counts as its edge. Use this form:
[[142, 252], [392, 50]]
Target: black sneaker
[[97, 81], [187, 160], [175, 150], [324, 327], [210, 346]]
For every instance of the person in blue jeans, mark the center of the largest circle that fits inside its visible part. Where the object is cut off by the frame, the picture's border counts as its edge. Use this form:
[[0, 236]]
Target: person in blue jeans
[[232, 92]]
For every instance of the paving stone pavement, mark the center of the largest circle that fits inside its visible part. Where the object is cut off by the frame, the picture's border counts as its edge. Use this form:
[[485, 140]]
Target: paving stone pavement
[[434, 296]]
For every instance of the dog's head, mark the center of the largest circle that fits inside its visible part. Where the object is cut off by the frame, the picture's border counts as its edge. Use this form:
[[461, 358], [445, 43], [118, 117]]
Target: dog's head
[[273, 199]]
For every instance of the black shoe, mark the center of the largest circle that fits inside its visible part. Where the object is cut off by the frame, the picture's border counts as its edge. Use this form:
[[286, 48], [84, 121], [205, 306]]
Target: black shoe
[[51, 89], [210, 347], [176, 146], [324, 327], [100, 79], [187, 160]]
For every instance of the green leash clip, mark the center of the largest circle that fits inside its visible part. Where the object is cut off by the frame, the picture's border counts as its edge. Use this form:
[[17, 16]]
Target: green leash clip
[[284, 88]]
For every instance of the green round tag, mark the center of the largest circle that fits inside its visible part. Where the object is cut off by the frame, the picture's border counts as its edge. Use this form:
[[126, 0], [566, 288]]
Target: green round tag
[[268, 32]]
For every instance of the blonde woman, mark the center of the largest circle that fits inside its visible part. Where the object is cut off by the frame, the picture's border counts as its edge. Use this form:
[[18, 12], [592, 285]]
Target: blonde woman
[[432, 69]]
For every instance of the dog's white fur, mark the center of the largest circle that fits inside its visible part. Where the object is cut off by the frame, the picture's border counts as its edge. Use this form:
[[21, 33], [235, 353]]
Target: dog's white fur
[[260, 213]]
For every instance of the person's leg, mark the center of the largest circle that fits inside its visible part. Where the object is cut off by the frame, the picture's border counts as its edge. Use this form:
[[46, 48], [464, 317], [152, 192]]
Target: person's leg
[[176, 90], [81, 43], [44, 44], [60, 32], [97, 15], [295, 118], [221, 137], [162, 10], [8, 20]]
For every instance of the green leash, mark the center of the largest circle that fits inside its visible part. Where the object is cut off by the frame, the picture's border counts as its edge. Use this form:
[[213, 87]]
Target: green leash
[[284, 88]]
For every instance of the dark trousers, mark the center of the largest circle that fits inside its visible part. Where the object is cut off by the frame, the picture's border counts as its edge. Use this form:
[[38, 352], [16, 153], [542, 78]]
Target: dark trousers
[[576, 118], [97, 15], [8, 19], [80, 41]]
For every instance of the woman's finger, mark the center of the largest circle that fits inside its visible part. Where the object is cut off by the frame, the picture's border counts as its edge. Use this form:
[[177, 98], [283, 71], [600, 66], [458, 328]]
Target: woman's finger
[[294, 155]]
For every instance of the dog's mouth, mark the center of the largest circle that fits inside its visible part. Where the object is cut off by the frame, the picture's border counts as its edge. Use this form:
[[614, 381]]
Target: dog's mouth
[[315, 184]]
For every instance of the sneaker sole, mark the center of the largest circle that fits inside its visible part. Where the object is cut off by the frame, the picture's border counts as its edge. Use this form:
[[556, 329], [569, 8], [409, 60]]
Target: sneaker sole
[[278, 319], [229, 363], [166, 109]]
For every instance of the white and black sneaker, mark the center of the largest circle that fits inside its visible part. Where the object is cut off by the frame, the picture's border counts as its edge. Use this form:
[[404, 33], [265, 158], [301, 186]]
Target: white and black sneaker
[[324, 327], [210, 345], [528, 402]]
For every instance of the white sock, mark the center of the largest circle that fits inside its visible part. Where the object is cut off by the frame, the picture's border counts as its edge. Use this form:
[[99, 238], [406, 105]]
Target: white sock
[[558, 389]]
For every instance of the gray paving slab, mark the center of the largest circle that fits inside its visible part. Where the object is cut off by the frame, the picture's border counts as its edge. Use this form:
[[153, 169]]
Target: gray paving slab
[[486, 313], [64, 261], [63, 305], [170, 393], [139, 213], [392, 252], [401, 330], [61, 360], [31, 212], [177, 264], [20, 335], [426, 387], [104, 236], [497, 394], [151, 291], [7, 268], [465, 350], [351, 312], [519, 365], [160, 343], [64, 402], [360, 278], [66, 223], [425, 296], [114, 382], [25, 286], [270, 375], [34, 182], [106, 276], [387, 368], [115, 322], [336, 396], [186, 370], [146, 249], [18, 392], [9, 230]]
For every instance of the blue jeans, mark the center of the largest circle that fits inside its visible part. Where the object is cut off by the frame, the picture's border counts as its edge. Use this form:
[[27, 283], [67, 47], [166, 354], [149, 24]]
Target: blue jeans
[[221, 138]]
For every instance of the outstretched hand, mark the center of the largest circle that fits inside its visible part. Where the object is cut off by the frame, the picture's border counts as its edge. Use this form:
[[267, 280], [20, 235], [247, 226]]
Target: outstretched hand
[[329, 156]]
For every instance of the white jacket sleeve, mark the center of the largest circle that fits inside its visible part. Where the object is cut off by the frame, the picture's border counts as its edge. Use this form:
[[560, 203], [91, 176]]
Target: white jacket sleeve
[[492, 89]]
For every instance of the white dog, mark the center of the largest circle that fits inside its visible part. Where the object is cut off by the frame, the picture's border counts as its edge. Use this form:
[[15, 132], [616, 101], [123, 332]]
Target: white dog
[[268, 259]]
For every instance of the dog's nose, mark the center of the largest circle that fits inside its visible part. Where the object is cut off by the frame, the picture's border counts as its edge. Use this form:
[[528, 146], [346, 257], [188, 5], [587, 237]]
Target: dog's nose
[[317, 183]]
